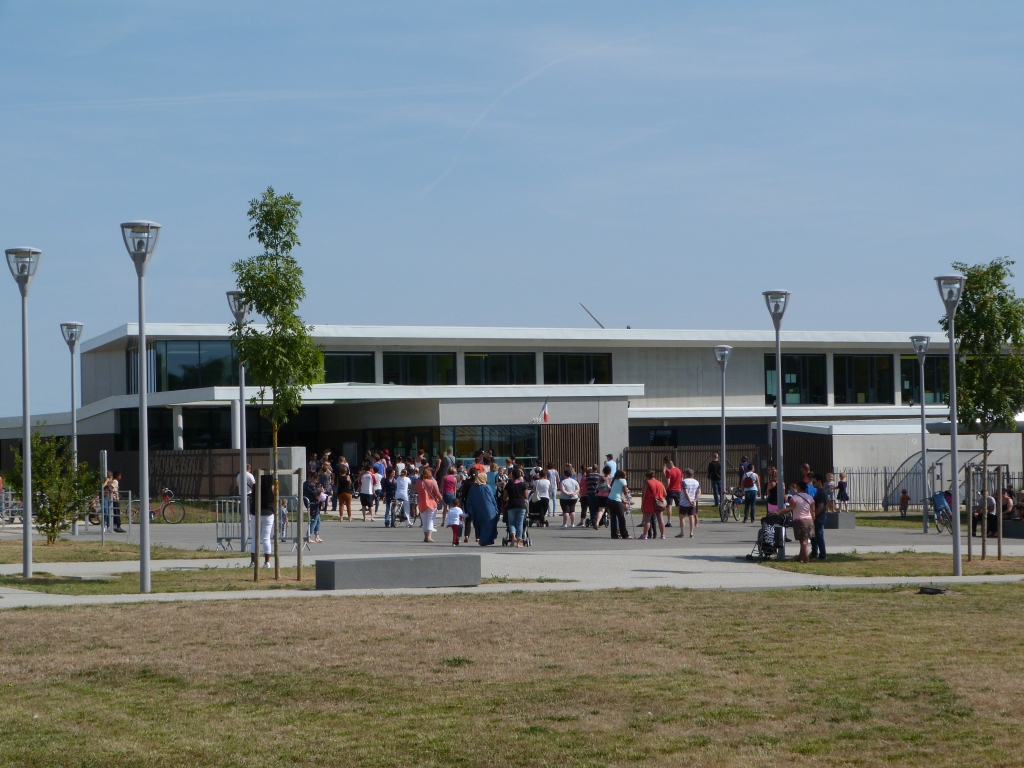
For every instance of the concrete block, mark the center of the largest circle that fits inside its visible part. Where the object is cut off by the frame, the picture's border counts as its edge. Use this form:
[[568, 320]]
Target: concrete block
[[840, 520], [1013, 529], [398, 572]]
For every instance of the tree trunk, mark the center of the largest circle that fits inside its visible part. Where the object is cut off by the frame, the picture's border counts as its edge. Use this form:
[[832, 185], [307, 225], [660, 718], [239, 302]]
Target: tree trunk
[[984, 493], [277, 502]]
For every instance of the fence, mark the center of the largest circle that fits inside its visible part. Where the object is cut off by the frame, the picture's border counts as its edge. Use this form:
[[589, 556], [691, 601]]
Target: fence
[[228, 524], [696, 457]]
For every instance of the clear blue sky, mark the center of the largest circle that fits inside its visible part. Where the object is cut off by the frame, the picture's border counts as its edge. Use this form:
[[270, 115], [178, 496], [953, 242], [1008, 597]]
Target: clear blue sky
[[497, 163]]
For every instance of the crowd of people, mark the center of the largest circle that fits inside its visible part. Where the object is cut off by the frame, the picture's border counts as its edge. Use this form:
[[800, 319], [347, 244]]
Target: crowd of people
[[470, 498]]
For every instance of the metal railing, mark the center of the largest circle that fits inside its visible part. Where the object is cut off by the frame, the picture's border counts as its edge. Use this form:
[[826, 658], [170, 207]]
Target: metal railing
[[228, 524]]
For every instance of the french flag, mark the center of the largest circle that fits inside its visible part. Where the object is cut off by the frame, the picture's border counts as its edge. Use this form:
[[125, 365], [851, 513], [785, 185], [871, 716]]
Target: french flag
[[544, 412]]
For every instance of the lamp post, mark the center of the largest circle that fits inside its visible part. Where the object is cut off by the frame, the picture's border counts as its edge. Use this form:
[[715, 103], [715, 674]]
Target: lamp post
[[140, 239], [240, 310], [722, 353], [921, 348], [951, 287], [23, 263], [72, 333], [777, 301]]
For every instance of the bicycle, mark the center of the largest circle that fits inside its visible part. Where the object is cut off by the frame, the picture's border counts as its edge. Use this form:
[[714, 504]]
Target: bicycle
[[728, 506], [172, 510], [943, 519]]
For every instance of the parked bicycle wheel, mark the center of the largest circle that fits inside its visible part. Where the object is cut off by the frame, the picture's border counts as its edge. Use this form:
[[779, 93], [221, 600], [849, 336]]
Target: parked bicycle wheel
[[173, 512], [737, 510], [940, 523], [95, 518], [134, 513], [723, 512]]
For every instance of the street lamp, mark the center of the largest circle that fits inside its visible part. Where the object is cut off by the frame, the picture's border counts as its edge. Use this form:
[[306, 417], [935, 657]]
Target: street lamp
[[951, 287], [72, 333], [777, 301], [140, 239], [240, 310], [921, 348], [23, 263], [722, 353]]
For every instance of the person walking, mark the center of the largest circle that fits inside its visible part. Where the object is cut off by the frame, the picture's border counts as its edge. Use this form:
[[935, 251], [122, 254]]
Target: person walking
[[673, 489], [428, 496], [568, 493], [688, 508], [820, 516], [552, 475], [482, 508], [265, 529], [751, 485], [389, 485], [593, 482], [367, 483], [402, 484], [540, 498], [344, 494], [715, 478], [515, 506], [618, 499], [653, 504]]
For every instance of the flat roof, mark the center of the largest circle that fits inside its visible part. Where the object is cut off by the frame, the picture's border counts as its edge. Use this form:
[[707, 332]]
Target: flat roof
[[593, 337]]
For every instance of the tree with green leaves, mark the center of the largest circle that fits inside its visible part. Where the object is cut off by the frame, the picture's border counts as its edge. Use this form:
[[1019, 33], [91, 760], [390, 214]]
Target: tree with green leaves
[[990, 369], [63, 491], [281, 358]]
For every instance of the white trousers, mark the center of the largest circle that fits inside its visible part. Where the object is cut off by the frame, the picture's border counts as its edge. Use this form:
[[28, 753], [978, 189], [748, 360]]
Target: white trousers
[[427, 518], [266, 533]]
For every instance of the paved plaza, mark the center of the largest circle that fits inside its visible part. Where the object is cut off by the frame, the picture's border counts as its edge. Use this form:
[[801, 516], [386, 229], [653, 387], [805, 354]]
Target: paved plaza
[[578, 559]]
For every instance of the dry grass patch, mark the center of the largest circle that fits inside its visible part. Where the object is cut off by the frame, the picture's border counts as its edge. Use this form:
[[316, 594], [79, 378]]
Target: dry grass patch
[[67, 551], [900, 564], [175, 580], [649, 677]]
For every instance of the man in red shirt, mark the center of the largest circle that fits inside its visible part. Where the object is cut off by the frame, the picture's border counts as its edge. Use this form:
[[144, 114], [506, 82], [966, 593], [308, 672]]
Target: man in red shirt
[[674, 487]]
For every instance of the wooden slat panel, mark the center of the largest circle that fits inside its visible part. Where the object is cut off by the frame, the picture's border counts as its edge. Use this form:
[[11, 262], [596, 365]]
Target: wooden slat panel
[[695, 457], [575, 444]]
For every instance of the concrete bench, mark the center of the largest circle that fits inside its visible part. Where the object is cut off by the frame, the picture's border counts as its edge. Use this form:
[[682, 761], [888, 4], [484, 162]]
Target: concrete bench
[[399, 572], [1013, 529], [840, 520]]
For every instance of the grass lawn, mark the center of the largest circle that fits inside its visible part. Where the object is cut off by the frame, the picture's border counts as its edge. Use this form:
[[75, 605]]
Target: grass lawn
[[183, 580], [66, 551], [650, 677], [900, 564]]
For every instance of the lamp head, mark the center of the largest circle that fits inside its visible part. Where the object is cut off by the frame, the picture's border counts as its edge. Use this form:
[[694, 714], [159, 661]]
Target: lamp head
[[23, 263], [722, 353], [776, 301], [951, 288], [72, 334], [140, 239], [920, 345], [237, 306]]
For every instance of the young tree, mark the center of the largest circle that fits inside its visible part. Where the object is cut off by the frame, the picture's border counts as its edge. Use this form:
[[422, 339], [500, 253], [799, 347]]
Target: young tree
[[282, 357], [63, 491], [990, 369]]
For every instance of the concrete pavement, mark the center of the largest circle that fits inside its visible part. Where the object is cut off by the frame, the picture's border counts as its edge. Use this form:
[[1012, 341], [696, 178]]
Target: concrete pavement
[[581, 558]]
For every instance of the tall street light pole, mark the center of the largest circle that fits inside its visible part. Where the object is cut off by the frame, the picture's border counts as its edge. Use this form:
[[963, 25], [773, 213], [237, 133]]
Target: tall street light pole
[[951, 287], [240, 310], [921, 348], [140, 239], [23, 263], [722, 353], [72, 332], [777, 301]]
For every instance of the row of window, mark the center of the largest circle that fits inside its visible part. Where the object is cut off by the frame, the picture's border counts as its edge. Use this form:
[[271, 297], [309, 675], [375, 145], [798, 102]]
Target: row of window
[[425, 368], [857, 379]]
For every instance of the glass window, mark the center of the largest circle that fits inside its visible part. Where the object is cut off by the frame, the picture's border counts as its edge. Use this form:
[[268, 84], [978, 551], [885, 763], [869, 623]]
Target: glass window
[[862, 379], [577, 368], [217, 365], [206, 427], [501, 368], [341, 367], [803, 381], [181, 363], [419, 369], [936, 379]]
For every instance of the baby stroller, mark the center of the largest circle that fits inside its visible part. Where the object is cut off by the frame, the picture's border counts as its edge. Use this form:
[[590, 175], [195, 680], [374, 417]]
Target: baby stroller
[[537, 514], [506, 540], [771, 538]]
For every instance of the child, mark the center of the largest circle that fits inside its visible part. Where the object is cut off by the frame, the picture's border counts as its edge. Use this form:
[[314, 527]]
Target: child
[[282, 519], [830, 489], [842, 495], [904, 502], [454, 520]]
